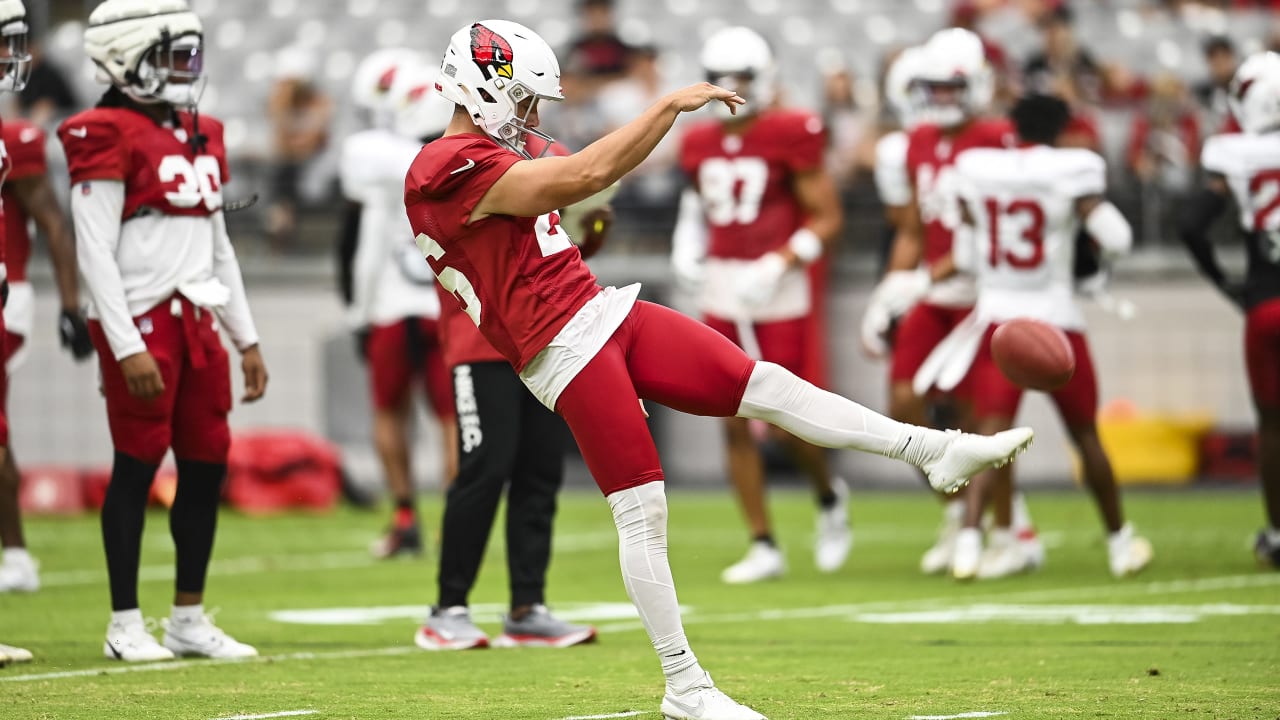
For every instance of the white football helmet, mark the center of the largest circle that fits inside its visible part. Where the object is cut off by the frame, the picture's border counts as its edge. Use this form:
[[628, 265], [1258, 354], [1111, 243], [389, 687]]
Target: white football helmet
[[375, 76], [420, 111], [954, 82], [897, 85], [739, 59], [15, 66], [490, 68], [150, 49], [1255, 93]]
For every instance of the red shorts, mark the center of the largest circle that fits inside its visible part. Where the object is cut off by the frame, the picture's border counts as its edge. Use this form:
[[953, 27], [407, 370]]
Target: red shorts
[[995, 396], [402, 350], [789, 343], [191, 415], [918, 333], [1262, 353], [659, 355]]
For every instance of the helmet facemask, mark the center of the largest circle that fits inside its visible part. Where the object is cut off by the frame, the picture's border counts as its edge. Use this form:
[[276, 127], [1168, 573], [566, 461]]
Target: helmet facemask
[[946, 103], [524, 102], [170, 72], [15, 57]]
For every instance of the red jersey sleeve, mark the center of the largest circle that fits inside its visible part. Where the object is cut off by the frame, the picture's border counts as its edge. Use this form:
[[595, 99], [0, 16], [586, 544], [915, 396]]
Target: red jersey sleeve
[[94, 147], [25, 144], [212, 130], [806, 140], [464, 175]]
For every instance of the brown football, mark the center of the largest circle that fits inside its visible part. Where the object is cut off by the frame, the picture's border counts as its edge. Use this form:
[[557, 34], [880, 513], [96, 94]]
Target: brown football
[[1033, 354]]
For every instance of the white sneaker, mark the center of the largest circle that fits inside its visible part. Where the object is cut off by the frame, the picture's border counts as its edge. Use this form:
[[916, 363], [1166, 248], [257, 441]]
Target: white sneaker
[[1003, 557], [131, 642], [966, 455], [11, 654], [1032, 548], [937, 559], [834, 537], [201, 638], [703, 701], [1128, 553], [451, 629], [763, 562], [19, 573], [968, 554]]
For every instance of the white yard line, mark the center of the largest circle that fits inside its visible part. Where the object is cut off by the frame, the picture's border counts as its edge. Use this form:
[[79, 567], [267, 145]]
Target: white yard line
[[629, 713], [182, 664], [978, 714], [282, 713], [234, 566]]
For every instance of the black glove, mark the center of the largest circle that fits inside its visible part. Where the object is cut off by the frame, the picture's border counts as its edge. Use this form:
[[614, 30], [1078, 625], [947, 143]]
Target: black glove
[[362, 343], [4, 293], [74, 332]]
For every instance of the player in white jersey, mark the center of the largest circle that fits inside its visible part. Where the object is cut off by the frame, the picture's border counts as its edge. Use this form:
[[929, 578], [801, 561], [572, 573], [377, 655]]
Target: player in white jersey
[[1023, 208], [394, 305], [1246, 166]]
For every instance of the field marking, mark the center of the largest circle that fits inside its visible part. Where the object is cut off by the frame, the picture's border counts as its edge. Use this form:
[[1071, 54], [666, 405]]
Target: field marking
[[183, 664], [282, 713], [627, 714], [977, 714], [571, 611], [234, 566]]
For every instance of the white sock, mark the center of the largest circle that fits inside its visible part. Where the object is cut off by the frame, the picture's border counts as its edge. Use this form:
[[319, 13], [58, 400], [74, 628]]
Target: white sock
[[953, 513], [187, 613], [821, 418], [127, 617], [1021, 514], [17, 555], [640, 513]]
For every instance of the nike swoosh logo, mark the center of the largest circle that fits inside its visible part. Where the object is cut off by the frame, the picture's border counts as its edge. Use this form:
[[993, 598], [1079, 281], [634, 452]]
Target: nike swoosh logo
[[470, 164], [79, 132], [112, 647], [537, 74], [676, 654], [691, 710]]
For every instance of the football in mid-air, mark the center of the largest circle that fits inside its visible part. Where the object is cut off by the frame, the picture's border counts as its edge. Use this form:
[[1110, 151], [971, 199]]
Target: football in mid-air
[[1034, 355]]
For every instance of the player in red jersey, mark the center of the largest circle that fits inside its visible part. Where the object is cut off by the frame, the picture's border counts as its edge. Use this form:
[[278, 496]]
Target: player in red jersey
[[761, 210], [1245, 166], [486, 218], [952, 88], [147, 174]]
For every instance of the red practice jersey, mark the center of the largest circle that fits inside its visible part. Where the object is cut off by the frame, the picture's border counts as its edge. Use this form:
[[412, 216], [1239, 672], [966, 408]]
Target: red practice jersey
[[6, 164], [931, 156], [159, 166], [519, 279], [24, 144], [745, 180]]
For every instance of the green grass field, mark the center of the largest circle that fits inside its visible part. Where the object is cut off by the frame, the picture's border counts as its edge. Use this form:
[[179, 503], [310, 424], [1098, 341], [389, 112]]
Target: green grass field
[[1196, 636]]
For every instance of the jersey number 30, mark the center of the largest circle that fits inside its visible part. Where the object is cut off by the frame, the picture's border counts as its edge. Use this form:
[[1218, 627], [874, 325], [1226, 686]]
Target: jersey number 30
[[1026, 251], [197, 181]]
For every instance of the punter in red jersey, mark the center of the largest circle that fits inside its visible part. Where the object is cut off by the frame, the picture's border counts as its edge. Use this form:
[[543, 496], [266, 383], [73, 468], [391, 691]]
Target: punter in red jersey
[[1245, 167], [760, 211], [147, 176], [486, 217]]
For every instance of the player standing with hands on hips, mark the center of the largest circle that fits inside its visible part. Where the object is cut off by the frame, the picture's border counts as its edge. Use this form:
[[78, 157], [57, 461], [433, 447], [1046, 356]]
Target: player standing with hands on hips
[[147, 174], [485, 215]]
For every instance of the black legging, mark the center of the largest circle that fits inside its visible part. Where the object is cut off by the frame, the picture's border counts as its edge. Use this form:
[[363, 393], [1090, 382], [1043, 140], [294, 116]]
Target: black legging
[[505, 437]]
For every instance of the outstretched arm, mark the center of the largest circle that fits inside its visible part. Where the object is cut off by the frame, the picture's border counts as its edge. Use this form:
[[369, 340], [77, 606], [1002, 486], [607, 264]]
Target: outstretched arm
[[36, 196], [1193, 229], [535, 187]]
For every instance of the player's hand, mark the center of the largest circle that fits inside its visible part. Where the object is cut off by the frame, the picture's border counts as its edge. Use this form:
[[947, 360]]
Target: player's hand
[[690, 272], [695, 96], [598, 222], [759, 280], [255, 374], [874, 331], [74, 333], [900, 290], [142, 376]]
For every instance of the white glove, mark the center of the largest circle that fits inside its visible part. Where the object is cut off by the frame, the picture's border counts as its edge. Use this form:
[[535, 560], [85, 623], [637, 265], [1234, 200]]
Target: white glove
[[900, 290], [690, 272], [875, 328], [758, 281]]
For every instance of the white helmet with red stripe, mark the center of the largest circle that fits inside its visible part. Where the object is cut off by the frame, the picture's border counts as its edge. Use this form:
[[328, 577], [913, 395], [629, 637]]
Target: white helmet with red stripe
[[420, 112], [1255, 93], [375, 76], [955, 82]]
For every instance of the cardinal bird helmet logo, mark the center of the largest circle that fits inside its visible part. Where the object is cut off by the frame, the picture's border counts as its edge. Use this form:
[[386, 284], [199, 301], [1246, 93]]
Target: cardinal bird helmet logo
[[490, 51]]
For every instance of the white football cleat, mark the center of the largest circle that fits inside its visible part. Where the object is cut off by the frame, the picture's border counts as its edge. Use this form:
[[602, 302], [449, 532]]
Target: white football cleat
[[763, 562], [1003, 557], [966, 455], [704, 701], [201, 638], [1128, 553], [11, 654], [834, 537], [19, 573], [968, 554], [132, 642], [937, 559]]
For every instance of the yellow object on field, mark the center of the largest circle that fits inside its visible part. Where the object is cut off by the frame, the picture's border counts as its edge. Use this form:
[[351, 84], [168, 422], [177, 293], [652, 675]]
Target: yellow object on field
[[1163, 449]]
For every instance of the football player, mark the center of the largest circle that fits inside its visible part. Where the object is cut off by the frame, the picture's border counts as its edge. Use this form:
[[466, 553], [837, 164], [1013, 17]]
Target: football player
[[1246, 166], [394, 305], [1022, 210], [485, 214], [950, 86], [147, 174], [15, 67], [760, 211]]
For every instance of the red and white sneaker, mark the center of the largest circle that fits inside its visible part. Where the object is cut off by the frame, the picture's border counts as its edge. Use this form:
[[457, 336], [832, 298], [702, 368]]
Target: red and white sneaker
[[542, 629], [450, 629]]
